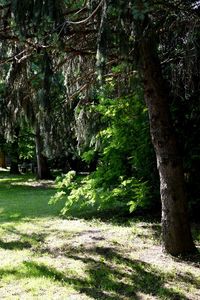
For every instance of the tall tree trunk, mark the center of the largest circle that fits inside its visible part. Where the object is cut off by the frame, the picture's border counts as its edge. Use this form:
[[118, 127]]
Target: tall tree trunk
[[176, 234], [43, 171], [2, 159], [14, 154]]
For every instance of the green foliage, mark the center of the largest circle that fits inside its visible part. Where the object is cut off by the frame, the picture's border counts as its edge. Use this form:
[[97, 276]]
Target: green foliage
[[139, 10], [29, 14], [86, 195], [122, 181], [50, 67], [26, 143], [125, 137]]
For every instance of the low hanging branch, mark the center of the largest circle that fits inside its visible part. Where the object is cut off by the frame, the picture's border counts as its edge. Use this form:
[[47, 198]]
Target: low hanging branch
[[88, 18]]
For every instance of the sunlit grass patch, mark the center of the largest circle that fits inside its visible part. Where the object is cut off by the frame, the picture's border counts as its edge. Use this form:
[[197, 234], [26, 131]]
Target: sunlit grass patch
[[44, 256], [18, 200]]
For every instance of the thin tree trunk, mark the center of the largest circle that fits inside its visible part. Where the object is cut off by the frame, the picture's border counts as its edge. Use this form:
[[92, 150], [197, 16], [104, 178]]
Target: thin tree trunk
[[176, 234], [2, 159], [43, 171], [14, 154]]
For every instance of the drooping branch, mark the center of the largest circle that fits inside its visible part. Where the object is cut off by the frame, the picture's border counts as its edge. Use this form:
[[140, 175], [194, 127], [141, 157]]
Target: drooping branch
[[88, 18]]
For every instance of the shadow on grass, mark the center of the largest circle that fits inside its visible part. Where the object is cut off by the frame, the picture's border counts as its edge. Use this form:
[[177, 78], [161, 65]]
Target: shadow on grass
[[23, 240], [23, 180], [14, 245], [7, 178], [190, 259], [109, 276]]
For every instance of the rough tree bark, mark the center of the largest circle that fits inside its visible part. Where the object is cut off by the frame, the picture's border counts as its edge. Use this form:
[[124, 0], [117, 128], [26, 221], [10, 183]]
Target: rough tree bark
[[176, 234], [43, 171]]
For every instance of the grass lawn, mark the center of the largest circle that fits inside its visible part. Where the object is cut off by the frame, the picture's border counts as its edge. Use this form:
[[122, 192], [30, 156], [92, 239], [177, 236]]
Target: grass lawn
[[44, 256]]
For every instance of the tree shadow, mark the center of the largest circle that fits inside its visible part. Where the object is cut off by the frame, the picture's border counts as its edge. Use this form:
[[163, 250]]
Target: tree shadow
[[104, 282], [190, 259], [15, 245], [7, 178], [23, 240], [110, 275], [123, 276]]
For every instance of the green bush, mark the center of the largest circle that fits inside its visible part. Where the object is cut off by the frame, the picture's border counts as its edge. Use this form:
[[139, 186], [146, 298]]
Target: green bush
[[85, 195], [124, 179]]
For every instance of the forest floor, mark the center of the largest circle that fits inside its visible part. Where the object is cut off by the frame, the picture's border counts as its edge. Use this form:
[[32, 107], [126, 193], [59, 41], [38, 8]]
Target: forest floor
[[44, 256]]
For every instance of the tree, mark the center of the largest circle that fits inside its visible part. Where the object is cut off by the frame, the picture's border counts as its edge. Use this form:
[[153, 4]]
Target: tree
[[2, 159], [176, 233], [37, 97], [2, 152], [129, 31], [14, 153], [144, 17]]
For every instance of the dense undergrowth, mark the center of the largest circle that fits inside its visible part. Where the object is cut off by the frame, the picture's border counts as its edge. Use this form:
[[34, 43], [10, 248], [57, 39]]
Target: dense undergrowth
[[125, 178], [87, 195]]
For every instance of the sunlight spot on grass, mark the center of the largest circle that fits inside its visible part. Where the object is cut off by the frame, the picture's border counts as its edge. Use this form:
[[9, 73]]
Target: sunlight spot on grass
[[1, 210], [46, 257]]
